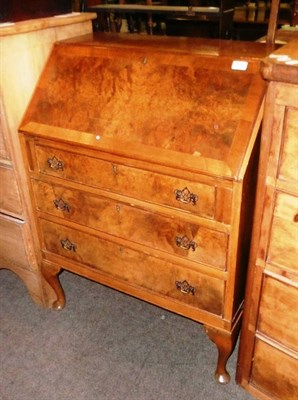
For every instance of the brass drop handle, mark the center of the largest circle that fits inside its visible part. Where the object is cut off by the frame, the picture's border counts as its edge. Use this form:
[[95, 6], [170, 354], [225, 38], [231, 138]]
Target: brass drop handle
[[185, 196], [60, 204], [67, 245], [185, 287], [55, 164], [185, 243]]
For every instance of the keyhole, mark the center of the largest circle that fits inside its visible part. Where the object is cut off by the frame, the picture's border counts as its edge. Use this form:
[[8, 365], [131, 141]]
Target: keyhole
[[115, 169]]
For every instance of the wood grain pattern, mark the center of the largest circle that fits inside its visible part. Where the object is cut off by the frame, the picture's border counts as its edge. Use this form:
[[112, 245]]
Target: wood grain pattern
[[270, 363], [196, 109], [9, 193], [138, 225], [135, 268], [24, 49], [126, 180], [268, 357], [279, 298], [116, 127]]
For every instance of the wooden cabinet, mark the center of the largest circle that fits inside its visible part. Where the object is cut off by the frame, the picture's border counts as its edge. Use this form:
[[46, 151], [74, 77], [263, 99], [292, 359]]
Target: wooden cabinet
[[268, 358], [24, 49], [141, 153]]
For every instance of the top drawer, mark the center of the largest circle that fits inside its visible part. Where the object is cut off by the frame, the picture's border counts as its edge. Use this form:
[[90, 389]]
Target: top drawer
[[283, 244], [140, 184], [288, 160]]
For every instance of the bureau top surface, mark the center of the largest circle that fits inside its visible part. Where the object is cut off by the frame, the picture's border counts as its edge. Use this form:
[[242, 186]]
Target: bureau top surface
[[190, 103]]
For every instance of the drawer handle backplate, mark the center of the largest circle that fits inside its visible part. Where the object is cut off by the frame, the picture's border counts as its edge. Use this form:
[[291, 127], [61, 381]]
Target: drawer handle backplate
[[60, 204], [185, 287], [185, 196], [184, 243], [55, 164], [67, 245]]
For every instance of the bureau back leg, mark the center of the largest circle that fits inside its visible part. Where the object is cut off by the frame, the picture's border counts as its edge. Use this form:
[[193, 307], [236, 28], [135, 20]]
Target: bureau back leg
[[56, 297], [225, 343]]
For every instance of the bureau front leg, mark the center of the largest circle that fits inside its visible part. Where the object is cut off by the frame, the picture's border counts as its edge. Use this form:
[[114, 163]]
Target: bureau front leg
[[225, 343], [50, 274]]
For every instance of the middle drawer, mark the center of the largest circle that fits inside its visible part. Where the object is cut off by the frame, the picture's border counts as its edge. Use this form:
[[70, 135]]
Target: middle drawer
[[168, 234], [189, 196]]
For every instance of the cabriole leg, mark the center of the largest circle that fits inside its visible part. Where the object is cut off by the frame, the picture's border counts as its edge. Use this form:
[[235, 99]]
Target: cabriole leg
[[50, 274], [225, 343]]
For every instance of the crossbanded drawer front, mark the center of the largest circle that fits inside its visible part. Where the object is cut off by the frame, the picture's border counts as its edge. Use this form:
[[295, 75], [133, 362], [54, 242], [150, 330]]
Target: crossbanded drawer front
[[274, 372], [171, 235], [193, 197], [134, 267], [278, 316], [283, 246]]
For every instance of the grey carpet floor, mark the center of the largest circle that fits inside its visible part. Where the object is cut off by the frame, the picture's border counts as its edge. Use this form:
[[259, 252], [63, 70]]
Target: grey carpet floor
[[103, 345]]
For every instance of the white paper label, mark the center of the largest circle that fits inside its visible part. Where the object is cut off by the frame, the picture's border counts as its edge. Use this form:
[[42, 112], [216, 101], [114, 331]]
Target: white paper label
[[239, 65]]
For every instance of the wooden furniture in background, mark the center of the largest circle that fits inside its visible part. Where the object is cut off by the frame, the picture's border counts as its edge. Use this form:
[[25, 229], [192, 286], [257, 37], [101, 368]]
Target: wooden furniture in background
[[24, 49], [141, 153], [254, 19], [268, 356], [203, 21], [20, 10]]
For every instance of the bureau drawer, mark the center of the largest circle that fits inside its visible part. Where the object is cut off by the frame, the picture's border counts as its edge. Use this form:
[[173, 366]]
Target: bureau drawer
[[167, 234], [288, 159], [283, 245], [133, 182], [9, 193], [278, 315], [274, 372], [135, 267]]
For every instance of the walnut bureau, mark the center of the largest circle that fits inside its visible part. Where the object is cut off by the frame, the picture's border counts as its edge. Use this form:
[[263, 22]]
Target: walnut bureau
[[141, 153], [24, 49], [268, 356]]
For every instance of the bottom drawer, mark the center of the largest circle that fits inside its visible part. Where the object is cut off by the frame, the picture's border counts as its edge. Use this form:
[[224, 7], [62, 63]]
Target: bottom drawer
[[135, 267], [274, 372], [12, 249]]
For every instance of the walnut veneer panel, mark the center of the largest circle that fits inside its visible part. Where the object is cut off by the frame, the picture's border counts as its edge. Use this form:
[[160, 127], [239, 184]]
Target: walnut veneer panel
[[202, 110], [142, 157], [134, 267], [268, 356], [127, 180], [121, 219]]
